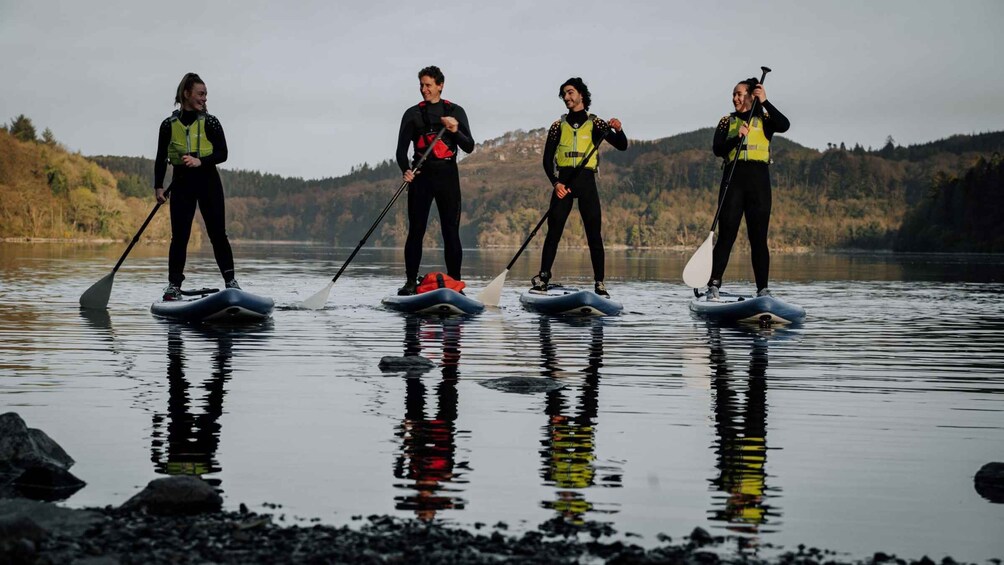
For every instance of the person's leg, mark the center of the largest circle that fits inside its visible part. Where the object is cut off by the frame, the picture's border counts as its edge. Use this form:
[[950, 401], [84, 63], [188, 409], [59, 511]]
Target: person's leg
[[728, 225], [419, 204], [592, 221], [213, 208], [182, 205], [560, 209], [448, 202], [758, 206]]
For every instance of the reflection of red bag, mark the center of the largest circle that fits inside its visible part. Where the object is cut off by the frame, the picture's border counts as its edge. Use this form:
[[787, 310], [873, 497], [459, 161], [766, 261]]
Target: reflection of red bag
[[433, 281]]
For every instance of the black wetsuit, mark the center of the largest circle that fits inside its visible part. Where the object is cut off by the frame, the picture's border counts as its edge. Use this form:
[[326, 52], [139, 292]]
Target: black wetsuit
[[439, 181], [583, 187], [190, 187], [748, 194]]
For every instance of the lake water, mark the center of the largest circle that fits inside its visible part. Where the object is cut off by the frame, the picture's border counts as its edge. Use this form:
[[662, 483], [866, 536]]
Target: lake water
[[859, 431]]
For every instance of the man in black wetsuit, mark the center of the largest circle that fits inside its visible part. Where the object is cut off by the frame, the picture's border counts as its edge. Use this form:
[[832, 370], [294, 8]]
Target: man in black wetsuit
[[569, 141], [439, 178]]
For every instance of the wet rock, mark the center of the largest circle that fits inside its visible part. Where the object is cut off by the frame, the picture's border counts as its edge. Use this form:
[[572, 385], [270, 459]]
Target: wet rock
[[47, 482], [408, 363], [176, 495], [701, 537], [989, 482], [23, 447], [523, 385], [51, 518]]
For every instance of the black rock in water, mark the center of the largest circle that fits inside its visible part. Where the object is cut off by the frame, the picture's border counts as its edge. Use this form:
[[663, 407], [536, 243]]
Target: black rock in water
[[391, 363], [47, 482], [523, 385], [184, 495], [989, 482], [21, 446]]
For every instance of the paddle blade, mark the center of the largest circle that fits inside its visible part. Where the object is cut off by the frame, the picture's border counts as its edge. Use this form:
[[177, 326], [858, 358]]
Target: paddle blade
[[698, 269], [492, 293], [317, 301], [96, 297]]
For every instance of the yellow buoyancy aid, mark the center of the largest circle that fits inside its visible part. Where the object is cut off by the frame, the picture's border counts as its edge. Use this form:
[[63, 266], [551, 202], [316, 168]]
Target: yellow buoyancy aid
[[188, 140], [575, 143], [756, 147]]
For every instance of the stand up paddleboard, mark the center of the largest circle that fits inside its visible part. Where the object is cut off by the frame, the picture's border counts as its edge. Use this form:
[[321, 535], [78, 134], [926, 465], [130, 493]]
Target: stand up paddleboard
[[560, 300], [737, 309], [228, 306], [442, 302]]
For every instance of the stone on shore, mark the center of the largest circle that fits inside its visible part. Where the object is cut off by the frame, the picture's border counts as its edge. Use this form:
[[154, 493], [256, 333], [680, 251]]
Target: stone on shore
[[989, 482], [180, 495], [32, 464]]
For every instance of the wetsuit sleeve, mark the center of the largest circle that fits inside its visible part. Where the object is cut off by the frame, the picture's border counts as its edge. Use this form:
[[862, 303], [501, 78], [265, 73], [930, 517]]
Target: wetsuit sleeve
[[463, 137], [550, 148], [722, 143], [214, 133], [601, 129], [776, 122], [404, 137], [160, 162]]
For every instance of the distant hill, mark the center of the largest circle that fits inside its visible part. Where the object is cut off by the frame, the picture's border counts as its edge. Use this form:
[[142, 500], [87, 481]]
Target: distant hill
[[658, 193]]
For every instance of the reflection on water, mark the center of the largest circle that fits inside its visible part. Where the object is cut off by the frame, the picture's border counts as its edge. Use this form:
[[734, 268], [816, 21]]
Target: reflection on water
[[427, 455], [569, 444], [741, 442]]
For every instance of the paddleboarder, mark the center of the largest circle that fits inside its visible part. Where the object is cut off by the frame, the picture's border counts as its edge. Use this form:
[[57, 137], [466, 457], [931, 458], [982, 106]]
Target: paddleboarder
[[570, 140], [439, 178], [749, 193], [192, 141]]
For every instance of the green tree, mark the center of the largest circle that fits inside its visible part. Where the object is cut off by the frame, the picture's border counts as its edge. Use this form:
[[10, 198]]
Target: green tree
[[22, 129], [48, 137]]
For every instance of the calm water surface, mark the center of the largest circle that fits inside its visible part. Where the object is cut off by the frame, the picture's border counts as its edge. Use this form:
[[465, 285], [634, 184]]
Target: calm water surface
[[859, 431]]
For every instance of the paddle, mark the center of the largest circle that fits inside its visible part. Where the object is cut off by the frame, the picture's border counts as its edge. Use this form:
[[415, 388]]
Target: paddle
[[492, 293], [317, 301], [96, 297], [698, 269]]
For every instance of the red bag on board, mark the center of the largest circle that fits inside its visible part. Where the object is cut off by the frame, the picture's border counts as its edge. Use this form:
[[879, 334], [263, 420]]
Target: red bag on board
[[433, 281]]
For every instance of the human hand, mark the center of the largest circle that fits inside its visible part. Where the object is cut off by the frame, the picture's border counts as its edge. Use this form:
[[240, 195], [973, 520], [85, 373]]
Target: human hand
[[744, 129], [451, 124], [759, 93], [159, 194], [190, 161], [409, 176], [615, 124], [561, 190]]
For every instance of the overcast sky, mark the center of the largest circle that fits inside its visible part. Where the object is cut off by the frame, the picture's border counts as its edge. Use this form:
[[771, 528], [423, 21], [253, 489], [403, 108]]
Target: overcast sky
[[310, 89]]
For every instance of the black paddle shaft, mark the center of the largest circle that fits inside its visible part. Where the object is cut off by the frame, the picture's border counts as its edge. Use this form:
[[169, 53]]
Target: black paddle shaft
[[387, 208], [140, 232], [735, 160], [543, 219]]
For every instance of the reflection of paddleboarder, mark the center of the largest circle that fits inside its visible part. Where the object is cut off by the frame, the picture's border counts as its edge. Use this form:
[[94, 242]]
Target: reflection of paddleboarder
[[428, 444], [190, 441], [569, 445], [741, 446]]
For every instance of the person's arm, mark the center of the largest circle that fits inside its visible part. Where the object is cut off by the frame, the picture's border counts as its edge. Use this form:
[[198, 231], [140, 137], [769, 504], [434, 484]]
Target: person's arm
[[404, 137], [604, 130], [550, 148], [214, 133], [160, 162], [463, 137], [776, 122], [723, 143]]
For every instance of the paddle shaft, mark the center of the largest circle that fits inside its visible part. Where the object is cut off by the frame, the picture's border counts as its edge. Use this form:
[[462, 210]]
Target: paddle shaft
[[543, 218], [735, 160], [387, 208], [140, 232]]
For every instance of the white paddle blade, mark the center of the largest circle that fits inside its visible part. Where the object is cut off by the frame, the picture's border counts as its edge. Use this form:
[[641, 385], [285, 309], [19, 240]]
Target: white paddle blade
[[96, 297], [698, 269], [492, 293], [318, 300]]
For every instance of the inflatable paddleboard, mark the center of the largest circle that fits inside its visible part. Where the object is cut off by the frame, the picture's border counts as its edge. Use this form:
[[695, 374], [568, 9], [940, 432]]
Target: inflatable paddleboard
[[560, 300], [734, 308], [442, 301], [228, 306]]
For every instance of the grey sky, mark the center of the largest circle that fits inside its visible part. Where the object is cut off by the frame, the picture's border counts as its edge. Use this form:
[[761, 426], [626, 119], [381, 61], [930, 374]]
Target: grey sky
[[312, 88]]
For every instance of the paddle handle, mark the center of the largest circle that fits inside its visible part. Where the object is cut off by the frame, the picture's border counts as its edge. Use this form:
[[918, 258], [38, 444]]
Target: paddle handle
[[418, 165], [735, 160], [142, 228]]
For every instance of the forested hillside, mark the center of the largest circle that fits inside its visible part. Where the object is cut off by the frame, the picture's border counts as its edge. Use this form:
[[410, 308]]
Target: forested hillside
[[656, 194]]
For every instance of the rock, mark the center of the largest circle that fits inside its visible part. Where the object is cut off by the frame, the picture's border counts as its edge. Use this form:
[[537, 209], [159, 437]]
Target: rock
[[701, 537], [176, 495], [409, 363], [18, 527], [523, 385], [50, 517], [47, 482], [989, 482], [25, 447]]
